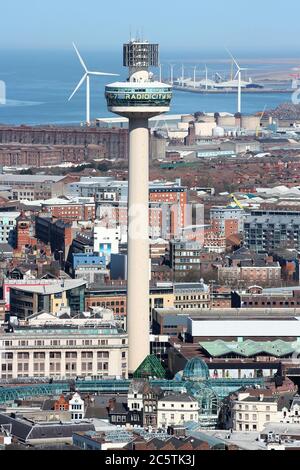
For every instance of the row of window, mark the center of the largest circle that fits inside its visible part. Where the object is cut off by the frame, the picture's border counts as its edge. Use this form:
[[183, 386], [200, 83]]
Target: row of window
[[57, 342], [58, 355]]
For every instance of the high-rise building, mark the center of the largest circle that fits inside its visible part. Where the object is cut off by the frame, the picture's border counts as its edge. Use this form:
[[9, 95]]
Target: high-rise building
[[139, 98], [268, 231]]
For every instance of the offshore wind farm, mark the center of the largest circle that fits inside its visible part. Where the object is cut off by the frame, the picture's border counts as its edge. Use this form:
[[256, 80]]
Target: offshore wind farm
[[38, 94]]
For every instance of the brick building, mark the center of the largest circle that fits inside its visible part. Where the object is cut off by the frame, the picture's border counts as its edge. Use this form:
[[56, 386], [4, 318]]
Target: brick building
[[114, 141], [37, 156]]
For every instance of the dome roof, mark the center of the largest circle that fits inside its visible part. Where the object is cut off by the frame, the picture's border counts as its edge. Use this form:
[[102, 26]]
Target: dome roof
[[196, 370]]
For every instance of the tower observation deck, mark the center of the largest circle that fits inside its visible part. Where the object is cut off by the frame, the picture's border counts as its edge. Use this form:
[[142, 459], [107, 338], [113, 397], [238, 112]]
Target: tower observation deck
[[139, 95], [139, 98]]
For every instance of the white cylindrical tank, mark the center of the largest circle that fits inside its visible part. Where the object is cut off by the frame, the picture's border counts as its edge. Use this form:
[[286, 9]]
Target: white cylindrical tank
[[218, 132], [250, 123], [188, 118], [183, 126], [226, 121], [206, 119], [204, 129]]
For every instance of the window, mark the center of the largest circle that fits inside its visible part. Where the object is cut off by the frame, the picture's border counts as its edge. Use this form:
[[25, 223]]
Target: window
[[267, 417]]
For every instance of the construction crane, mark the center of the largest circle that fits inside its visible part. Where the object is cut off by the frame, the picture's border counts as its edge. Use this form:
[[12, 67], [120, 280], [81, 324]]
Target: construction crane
[[237, 203]]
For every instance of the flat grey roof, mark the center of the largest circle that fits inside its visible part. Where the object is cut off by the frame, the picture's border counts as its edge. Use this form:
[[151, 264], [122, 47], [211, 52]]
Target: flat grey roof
[[53, 288], [31, 178], [231, 313]]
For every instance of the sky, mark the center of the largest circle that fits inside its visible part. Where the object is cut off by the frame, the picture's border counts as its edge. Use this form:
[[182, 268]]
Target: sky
[[202, 25]]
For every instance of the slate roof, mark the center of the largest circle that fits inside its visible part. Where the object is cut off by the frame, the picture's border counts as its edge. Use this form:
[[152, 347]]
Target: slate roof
[[25, 430], [179, 398]]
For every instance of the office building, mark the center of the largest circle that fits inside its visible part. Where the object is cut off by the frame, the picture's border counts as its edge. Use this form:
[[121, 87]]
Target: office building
[[267, 231], [64, 350]]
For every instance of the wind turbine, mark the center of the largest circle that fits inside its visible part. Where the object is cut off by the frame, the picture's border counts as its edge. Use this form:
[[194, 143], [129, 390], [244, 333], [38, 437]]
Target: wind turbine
[[182, 75], [172, 73], [239, 75], [160, 72], [86, 77], [195, 68]]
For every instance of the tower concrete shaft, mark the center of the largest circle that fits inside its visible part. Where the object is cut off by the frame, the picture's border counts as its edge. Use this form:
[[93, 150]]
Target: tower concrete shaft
[[138, 99], [138, 243]]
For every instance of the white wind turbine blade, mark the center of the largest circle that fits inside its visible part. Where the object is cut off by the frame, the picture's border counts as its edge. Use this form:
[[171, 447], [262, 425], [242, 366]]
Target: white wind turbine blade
[[80, 58], [233, 59], [104, 74], [78, 86]]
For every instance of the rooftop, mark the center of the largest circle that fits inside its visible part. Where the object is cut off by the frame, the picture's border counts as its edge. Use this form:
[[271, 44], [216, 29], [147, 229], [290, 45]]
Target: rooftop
[[180, 397], [67, 330], [48, 287], [8, 178], [232, 313], [277, 348]]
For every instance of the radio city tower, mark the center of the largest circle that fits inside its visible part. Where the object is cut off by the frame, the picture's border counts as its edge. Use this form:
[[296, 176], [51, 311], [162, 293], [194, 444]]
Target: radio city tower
[[138, 99]]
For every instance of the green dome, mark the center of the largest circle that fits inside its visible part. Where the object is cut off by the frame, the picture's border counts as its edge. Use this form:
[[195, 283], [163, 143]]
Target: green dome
[[196, 370]]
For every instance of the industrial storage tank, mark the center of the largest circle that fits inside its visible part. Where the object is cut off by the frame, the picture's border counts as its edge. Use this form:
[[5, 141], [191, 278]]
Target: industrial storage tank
[[183, 126], [250, 123], [218, 132], [204, 129], [226, 121], [188, 118], [205, 118]]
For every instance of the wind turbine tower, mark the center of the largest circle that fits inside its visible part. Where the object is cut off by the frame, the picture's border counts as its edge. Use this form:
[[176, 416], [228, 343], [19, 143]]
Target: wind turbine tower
[[138, 99], [239, 75], [172, 73], [206, 77], [195, 69], [86, 77]]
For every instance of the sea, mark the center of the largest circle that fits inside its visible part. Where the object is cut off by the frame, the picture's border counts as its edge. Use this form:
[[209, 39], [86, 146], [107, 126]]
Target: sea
[[38, 84]]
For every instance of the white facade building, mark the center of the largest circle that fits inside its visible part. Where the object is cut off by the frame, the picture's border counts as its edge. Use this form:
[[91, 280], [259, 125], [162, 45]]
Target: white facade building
[[94, 348], [177, 409], [253, 413], [106, 241], [76, 407], [7, 226]]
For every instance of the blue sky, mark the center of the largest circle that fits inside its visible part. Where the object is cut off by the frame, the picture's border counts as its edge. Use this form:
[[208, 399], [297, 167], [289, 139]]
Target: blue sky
[[182, 25]]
